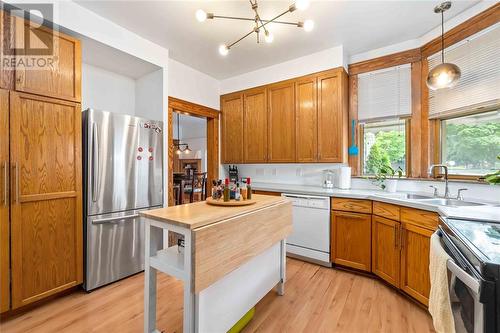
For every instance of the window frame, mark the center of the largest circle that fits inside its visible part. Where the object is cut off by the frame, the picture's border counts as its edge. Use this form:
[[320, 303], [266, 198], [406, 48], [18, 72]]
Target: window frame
[[361, 131], [436, 137]]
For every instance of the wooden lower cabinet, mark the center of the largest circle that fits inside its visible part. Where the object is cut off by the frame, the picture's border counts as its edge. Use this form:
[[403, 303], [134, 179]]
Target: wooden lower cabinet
[[415, 245], [351, 240], [46, 197], [4, 202], [386, 254]]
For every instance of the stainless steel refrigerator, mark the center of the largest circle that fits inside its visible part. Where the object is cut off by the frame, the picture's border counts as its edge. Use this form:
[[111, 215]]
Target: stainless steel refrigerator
[[123, 174]]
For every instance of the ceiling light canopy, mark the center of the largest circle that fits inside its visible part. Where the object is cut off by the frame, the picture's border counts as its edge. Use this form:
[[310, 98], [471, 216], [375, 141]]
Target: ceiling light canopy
[[259, 24], [444, 75]]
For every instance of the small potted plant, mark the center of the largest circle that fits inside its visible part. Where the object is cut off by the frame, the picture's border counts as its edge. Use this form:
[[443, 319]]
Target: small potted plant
[[385, 177], [493, 178]]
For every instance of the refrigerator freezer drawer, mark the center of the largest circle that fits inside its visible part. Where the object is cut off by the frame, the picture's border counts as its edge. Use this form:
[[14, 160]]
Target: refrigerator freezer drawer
[[114, 247]]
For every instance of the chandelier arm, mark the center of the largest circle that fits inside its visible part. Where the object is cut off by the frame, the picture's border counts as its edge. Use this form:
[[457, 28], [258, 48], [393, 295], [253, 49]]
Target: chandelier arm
[[251, 19], [239, 40], [248, 34], [275, 18]]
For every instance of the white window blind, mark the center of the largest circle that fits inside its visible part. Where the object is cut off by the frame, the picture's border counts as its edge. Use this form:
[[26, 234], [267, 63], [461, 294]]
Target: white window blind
[[478, 58], [384, 94]]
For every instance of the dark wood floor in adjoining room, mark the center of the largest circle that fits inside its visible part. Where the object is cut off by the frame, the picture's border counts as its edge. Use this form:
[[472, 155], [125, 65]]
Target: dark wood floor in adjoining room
[[316, 299]]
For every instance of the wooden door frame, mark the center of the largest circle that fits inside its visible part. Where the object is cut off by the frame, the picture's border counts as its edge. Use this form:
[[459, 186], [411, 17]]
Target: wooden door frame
[[200, 111]]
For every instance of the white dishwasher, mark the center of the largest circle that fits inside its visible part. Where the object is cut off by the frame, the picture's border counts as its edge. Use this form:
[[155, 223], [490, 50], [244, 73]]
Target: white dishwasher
[[310, 239]]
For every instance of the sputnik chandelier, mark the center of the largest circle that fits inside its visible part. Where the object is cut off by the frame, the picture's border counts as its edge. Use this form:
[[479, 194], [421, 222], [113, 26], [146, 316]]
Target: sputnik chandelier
[[260, 24]]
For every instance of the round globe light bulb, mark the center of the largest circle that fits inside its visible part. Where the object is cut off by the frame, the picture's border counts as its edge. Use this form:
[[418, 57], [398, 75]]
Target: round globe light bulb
[[201, 15], [269, 37], [444, 75], [223, 50], [302, 4], [308, 25]]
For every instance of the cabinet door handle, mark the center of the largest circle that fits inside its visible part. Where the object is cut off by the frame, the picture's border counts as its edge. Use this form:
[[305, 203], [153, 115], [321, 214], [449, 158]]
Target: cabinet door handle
[[402, 241], [5, 185], [16, 174], [396, 237]]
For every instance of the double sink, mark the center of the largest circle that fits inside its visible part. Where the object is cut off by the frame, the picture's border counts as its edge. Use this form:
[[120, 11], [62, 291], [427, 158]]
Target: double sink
[[440, 201]]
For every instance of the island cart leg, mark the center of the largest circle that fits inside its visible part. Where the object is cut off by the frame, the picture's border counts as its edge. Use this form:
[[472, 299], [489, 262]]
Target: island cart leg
[[149, 282], [189, 324], [281, 284]]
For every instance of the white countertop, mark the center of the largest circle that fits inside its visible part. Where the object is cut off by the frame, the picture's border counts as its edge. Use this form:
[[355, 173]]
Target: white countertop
[[483, 213]]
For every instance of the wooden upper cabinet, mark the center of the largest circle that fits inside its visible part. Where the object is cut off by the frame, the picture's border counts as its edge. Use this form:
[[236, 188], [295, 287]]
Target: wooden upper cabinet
[[332, 117], [232, 128], [386, 252], [4, 202], [351, 240], [46, 196], [255, 125], [306, 125], [298, 120], [61, 76], [281, 122], [415, 247]]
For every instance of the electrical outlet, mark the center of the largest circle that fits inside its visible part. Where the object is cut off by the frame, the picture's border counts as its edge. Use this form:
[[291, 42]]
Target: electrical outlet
[[298, 172]]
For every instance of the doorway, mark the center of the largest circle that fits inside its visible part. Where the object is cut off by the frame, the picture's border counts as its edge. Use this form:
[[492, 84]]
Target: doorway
[[193, 157]]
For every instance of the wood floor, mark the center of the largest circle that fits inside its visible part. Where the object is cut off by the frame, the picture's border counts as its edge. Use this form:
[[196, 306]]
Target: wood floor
[[316, 299]]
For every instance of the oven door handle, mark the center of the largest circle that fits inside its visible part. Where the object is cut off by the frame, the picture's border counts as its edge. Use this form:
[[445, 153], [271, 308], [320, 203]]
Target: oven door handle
[[462, 275]]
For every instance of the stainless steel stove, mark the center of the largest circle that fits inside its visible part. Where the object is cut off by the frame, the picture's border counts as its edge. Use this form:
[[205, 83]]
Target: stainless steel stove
[[473, 273]]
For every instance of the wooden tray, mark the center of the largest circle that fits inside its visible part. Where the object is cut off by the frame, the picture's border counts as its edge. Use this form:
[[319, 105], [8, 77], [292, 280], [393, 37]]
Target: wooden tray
[[232, 203]]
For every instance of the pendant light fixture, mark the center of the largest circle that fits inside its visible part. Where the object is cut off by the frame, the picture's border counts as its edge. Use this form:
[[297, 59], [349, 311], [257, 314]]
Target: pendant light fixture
[[444, 75], [178, 146]]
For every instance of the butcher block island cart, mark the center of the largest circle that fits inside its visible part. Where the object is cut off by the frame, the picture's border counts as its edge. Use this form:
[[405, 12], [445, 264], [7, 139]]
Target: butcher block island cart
[[232, 257]]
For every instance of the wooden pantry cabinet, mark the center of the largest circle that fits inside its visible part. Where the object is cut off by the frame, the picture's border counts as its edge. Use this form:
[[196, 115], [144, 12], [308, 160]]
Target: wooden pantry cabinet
[[41, 177], [302, 120], [61, 78], [46, 197], [5, 202]]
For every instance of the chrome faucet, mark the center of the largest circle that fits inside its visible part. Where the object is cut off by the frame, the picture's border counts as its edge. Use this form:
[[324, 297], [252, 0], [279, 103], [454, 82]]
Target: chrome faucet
[[446, 189]]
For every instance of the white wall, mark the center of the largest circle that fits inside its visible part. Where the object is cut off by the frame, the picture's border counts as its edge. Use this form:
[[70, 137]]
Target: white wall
[[105, 90], [311, 175], [148, 96], [193, 86], [311, 63], [417, 42]]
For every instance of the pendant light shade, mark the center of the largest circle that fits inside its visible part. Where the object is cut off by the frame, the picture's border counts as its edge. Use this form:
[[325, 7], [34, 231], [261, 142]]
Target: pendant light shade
[[445, 75]]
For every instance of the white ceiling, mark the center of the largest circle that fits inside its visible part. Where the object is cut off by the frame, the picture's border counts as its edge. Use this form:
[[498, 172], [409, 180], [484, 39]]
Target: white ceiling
[[359, 26]]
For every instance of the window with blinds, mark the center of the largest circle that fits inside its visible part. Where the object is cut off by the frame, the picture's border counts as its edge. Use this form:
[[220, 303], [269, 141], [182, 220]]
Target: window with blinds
[[384, 94], [478, 58]]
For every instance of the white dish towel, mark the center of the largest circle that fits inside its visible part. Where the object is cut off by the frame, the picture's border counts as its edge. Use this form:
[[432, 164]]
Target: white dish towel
[[439, 298]]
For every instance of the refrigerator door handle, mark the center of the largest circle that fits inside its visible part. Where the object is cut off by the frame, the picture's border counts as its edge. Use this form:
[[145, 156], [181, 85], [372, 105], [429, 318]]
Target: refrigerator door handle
[[114, 219], [95, 162]]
